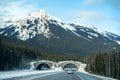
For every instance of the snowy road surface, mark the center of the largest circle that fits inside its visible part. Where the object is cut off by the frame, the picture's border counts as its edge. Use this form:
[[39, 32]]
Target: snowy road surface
[[49, 75]]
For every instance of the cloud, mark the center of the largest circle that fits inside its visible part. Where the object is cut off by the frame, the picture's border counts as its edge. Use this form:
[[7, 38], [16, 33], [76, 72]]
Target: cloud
[[19, 8], [78, 16], [102, 21], [6, 2], [85, 15]]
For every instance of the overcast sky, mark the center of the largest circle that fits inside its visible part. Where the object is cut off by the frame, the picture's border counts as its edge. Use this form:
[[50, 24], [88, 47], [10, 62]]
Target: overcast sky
[[103, 14]]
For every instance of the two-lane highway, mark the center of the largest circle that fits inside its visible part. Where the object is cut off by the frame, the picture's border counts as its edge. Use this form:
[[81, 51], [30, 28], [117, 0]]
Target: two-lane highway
[[60, 75], [65, 76]]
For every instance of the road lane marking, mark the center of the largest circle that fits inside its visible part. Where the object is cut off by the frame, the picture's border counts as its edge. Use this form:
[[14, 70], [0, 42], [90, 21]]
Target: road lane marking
[[79, 76]]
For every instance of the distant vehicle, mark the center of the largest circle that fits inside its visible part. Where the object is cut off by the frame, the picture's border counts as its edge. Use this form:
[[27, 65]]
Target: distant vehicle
[[70, 72], [70, 69]]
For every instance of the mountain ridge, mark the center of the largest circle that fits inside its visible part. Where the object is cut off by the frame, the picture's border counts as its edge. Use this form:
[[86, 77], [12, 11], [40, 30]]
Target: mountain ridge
[[48, 31]]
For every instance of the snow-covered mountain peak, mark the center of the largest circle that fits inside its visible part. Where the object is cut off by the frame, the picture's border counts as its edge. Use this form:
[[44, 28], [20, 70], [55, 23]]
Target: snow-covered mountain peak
[[40, 14], [41, 23], [89, 26]]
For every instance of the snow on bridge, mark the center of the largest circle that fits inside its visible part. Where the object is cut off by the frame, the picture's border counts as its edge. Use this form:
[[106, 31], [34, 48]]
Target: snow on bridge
[[63, 65]]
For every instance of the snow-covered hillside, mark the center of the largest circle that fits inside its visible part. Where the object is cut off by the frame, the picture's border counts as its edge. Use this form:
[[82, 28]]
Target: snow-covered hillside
[[37, 23], [44, 30]]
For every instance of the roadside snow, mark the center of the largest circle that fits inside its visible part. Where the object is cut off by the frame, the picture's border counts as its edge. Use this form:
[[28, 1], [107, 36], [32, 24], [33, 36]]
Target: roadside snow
[[12, 74], [98, 76], [118, 42]]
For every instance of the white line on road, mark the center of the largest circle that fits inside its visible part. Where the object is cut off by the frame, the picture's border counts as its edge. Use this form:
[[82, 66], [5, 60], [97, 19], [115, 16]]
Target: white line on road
[[79, 76]]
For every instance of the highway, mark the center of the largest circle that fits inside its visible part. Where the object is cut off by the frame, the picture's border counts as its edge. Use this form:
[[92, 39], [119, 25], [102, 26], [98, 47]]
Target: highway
[[58, 75]]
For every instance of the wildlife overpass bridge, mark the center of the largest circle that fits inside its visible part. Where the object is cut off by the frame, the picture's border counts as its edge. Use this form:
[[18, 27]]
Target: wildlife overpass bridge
[[63, 65]]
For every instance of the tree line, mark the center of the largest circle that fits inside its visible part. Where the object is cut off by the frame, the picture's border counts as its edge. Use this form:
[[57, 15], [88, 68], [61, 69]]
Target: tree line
[[107, 64], [15, 56]]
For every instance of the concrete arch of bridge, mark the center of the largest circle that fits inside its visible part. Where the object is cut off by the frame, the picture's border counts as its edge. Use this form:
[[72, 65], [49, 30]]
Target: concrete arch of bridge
[[43, 65], [70, 66]]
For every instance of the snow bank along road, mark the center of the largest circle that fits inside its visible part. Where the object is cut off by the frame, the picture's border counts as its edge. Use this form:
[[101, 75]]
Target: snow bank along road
[[49, 75]]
